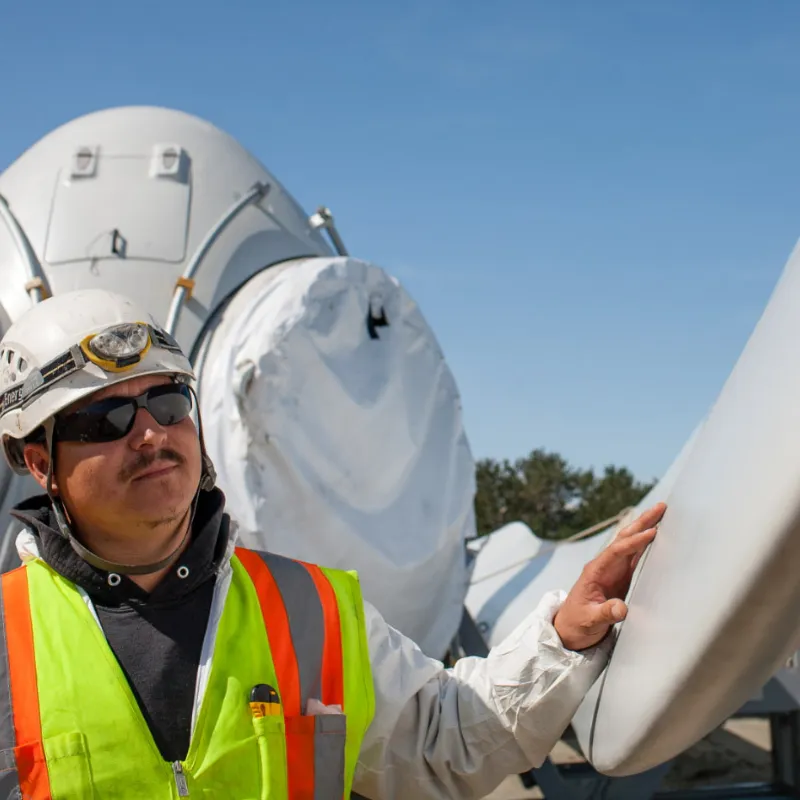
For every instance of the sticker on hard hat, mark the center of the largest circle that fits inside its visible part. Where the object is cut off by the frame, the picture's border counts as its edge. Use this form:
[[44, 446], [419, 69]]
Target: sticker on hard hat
[[11, 398]]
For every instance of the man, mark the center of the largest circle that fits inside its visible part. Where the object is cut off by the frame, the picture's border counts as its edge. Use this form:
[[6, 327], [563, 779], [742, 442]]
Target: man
[[144, 654]]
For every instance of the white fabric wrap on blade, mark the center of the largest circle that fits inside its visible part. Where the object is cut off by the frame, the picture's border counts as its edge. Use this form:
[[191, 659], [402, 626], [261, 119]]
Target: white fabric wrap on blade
[[341, 447]]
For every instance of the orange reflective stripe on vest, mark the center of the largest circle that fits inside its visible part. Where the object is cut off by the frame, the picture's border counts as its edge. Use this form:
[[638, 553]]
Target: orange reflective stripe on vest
[[276, 621], [20, 724], [332, 662], [301, 616]]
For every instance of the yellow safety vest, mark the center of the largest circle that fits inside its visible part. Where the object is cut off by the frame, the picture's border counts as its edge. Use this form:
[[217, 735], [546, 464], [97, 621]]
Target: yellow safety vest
[[70, 726]]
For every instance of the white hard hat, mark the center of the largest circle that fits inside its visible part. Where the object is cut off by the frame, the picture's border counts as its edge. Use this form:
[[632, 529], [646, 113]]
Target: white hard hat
[[70, 346]]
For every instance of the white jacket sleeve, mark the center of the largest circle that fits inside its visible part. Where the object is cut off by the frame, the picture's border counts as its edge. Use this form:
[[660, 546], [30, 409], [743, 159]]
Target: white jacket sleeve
[[457, 733]]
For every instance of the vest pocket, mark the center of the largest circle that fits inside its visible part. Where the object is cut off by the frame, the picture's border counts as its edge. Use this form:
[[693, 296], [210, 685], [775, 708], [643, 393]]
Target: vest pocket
[[271, 739], [304, 752], [64, 759], [315, 754]]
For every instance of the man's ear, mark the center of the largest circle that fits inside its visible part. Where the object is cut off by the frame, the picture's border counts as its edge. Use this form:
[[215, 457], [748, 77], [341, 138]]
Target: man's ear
[[37, 460]]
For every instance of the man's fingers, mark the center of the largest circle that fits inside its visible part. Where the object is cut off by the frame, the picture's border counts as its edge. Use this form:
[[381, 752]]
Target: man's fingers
[[620, 548], [633, 544], [644, 521]]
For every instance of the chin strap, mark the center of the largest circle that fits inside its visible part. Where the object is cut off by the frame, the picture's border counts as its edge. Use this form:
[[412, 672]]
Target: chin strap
[[208, 478], [110, 566], [207, 482]]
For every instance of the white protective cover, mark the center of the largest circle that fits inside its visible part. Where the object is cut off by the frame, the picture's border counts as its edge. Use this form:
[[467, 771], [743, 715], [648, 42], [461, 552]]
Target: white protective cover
[[341, 449]]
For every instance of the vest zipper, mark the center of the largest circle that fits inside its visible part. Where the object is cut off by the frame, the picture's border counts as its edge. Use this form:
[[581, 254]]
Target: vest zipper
[[180, 779]]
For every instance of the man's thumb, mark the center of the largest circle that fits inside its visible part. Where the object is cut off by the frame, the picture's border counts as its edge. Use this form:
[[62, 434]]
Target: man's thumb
[[612, 611]]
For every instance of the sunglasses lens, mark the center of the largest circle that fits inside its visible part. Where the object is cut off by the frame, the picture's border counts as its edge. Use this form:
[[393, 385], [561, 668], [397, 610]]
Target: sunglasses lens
[[116, 423], [105, 421], [170, 405]]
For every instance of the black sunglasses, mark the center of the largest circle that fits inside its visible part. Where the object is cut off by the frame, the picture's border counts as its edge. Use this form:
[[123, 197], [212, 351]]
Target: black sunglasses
[[112, 418]]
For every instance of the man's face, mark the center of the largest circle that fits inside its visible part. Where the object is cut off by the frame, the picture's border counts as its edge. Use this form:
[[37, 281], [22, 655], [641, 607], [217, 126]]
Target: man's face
[[147, 478]]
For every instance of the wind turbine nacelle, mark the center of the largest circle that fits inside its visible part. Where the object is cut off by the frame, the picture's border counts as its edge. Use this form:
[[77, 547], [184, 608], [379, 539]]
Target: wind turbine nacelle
[[329, 410]]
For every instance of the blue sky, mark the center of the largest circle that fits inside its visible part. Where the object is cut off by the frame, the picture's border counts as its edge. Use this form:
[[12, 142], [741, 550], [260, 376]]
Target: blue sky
[[591, 202]]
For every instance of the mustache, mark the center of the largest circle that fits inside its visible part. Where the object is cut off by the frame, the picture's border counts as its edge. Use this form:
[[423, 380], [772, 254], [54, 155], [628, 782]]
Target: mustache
[[144, 461]]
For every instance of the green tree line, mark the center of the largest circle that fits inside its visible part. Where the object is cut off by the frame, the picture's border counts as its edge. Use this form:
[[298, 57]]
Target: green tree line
[[553, 498]]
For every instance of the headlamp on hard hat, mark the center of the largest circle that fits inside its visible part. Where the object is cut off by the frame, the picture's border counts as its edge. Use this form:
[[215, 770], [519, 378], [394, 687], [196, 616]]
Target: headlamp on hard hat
[[118, 348]]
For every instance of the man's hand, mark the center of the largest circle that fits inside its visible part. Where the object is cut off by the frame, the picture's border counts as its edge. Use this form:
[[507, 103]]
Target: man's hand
[[595, 602]]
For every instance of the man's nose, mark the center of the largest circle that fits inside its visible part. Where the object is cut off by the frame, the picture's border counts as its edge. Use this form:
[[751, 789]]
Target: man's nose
[[146, 432]]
